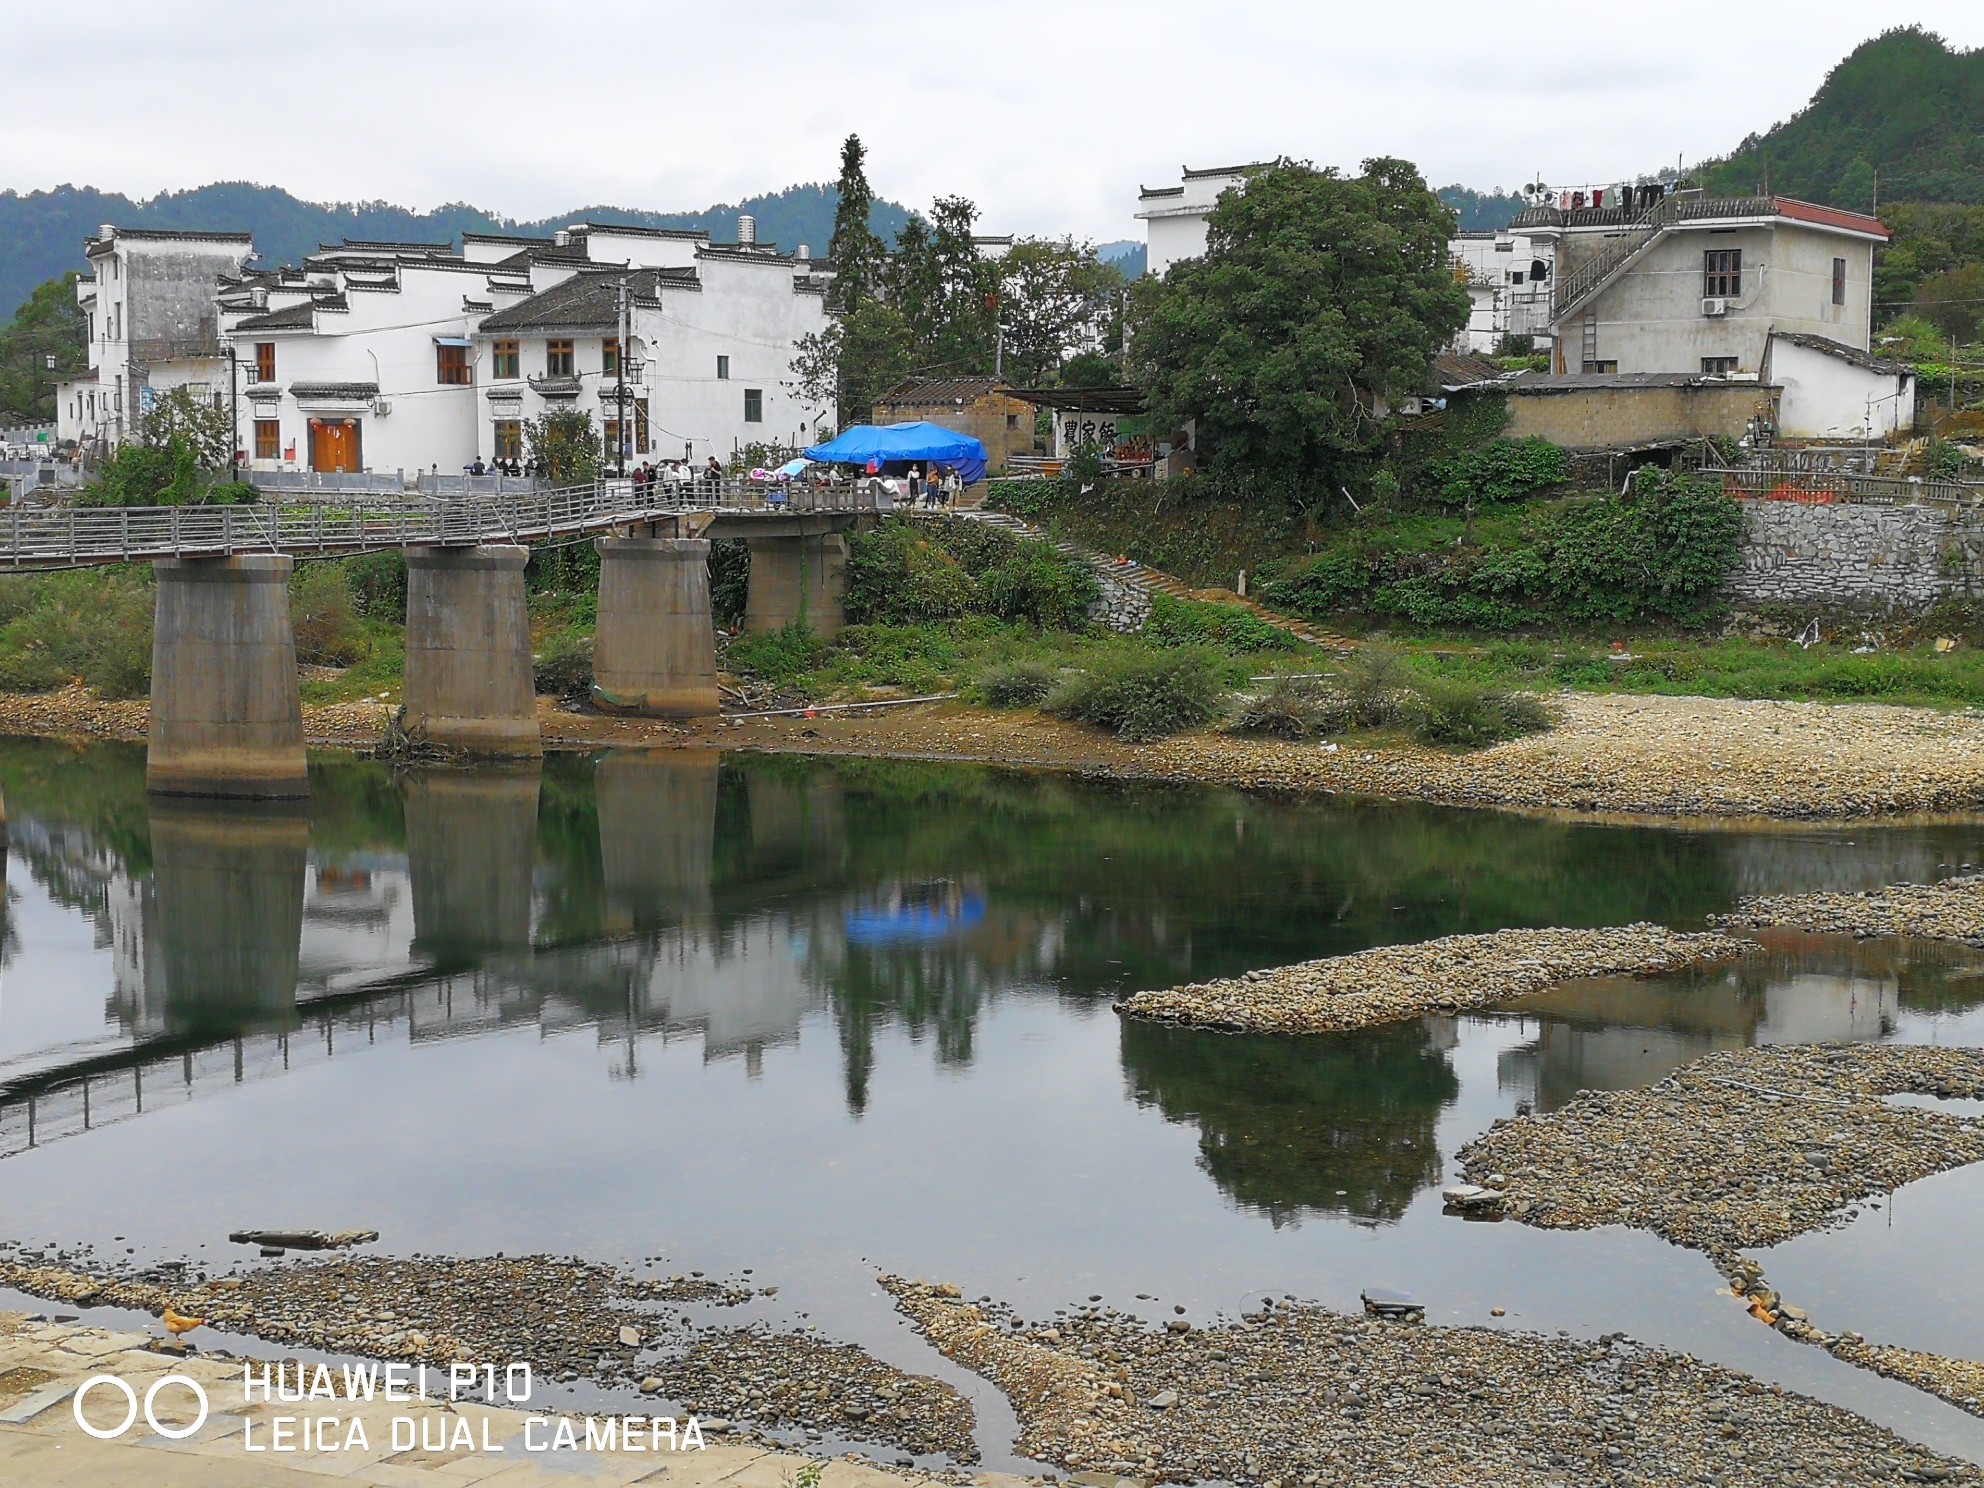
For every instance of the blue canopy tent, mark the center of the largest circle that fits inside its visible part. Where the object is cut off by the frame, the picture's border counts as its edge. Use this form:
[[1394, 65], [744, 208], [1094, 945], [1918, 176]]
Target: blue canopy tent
[[922, 444]]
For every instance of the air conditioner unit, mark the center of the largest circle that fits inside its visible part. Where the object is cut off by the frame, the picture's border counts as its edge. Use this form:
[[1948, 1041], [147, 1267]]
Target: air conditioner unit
[[1715, 307], [381, 407]]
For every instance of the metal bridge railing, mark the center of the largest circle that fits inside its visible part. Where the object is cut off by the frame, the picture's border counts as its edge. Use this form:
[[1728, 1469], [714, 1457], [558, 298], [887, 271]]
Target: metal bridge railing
[[81, 536]]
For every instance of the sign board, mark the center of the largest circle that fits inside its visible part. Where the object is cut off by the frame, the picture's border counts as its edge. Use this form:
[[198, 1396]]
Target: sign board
[[1074, 430]]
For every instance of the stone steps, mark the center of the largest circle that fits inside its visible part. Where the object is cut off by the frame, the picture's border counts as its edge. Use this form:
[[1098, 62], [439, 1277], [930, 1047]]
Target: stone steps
[[1156, 581]]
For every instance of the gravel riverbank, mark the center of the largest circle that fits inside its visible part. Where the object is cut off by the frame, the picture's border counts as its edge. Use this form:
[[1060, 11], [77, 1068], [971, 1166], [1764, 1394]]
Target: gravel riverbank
[[1611, 753], [1407, 981], [1741, 1149], [572, 1320], [1302, 1397], [1950, 910]]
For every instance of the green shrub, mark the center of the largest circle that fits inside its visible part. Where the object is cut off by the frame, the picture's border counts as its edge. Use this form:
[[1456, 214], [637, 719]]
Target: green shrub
[[775, 655], [93, 625], [563, 666], [911, 572], [323, 616], [1015, 684], [1186, 622], [730, 579], [1501, 470], [1372, 684], [1144, 695], [1297, 708], [377, 582], [1461, 714]]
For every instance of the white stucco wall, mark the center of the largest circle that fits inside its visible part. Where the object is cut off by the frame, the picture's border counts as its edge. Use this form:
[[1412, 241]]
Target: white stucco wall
[[1826, 397], [1651, 319]]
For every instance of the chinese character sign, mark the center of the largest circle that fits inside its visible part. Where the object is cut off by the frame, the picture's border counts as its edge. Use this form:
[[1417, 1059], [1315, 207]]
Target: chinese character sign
[[1072, 431]]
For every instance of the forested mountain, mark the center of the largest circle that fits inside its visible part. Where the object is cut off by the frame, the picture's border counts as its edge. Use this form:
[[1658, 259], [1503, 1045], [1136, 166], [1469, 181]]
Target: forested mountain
[[1480, 211], [42, 232], [1903, 109]]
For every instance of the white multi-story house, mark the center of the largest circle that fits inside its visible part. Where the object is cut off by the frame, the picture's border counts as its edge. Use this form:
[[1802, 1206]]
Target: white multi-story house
[[409, 357], [148, 301], [1174, 217], [1760, 288], [709, 333], [1507, 277]]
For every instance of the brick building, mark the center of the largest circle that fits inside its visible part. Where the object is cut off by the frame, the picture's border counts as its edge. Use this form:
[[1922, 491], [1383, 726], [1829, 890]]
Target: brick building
[[983, 407]]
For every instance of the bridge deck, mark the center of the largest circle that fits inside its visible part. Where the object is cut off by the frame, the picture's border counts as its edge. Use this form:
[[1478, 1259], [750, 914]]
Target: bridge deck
[[83, 537]]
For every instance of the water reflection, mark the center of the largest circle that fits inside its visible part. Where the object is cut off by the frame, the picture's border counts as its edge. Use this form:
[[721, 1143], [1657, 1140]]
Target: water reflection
[[1298, 1126], [765, 904]]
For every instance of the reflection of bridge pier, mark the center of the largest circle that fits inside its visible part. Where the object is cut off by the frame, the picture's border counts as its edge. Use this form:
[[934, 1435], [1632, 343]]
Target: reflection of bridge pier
[[224, 919], [471, 845], [795, 823], [657, 833]]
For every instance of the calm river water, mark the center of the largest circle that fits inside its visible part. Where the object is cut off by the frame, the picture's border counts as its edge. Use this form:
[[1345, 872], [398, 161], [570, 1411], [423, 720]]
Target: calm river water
[[822, 1018]]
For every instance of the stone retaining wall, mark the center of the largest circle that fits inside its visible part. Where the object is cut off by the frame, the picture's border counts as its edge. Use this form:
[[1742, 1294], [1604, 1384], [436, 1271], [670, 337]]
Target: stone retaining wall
[[1866, 557]]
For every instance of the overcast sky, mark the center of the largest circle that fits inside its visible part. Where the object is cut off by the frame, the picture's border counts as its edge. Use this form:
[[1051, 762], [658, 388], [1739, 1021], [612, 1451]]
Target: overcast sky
[[1047, 113]]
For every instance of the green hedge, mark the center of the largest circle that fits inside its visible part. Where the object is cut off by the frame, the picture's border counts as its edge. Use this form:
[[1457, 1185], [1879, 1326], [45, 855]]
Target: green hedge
[[1661, 552], [909, 572]]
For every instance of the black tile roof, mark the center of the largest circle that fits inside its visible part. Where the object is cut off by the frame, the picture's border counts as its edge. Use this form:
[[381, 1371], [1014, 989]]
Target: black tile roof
[[334, 392], [1850, 354], [291, 317], [588, 301]]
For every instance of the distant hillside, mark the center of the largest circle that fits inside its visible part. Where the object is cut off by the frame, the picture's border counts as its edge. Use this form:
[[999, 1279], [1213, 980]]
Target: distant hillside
[[42, 232], [1131, 258], [1480, 211], [1903, 105]]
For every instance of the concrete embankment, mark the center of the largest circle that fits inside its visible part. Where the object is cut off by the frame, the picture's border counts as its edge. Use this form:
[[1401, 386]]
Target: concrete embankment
[[1408, 981]]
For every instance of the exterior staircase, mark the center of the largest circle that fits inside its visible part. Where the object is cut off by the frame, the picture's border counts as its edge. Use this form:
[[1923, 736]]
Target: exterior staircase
[[1588, 280], [1153, 581]]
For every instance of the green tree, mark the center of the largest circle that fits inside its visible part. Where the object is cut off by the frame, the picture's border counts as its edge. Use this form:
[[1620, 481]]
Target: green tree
[[49, 323], [855, 251], [1317, 295], [179, 419], [564, 444], [1953, 300], [960, 326], [857, 358], [1055, 300]]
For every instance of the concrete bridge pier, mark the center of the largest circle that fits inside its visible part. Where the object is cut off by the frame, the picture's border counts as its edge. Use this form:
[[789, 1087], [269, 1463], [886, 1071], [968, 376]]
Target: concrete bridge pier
[[226, 718], [468, 676], [797, 579], [654, 650]]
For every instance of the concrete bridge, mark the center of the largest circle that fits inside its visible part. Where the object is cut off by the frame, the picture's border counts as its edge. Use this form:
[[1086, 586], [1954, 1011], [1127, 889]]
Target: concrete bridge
[[226, 717]]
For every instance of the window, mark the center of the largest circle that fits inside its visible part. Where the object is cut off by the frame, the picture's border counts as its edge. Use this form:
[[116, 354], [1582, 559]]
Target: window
[[1012, 421], [265, 362], [510, 435], [1722, 274], [268, 439], [1839, 281], [723, 369], [1515, 276], [451, 368], [1718, 366], [557, 359], [609, 356], [754, 405], [1604, 367], [505, 359]]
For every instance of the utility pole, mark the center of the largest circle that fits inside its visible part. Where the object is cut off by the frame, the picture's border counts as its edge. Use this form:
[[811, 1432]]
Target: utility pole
[[620, 366]]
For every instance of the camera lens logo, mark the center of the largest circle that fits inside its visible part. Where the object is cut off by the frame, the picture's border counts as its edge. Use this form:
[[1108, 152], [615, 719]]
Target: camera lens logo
[[119, 1387]]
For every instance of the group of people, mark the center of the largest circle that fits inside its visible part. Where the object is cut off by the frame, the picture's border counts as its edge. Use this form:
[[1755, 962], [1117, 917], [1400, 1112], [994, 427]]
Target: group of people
[[506, 467], [680, 473], [938, 487]]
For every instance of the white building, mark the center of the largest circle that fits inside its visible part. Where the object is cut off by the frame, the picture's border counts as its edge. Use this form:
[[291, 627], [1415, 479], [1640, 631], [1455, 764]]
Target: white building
[[149, 304], [1507, 276], [77, 421], [1744, 288], [408, 357], [1174, 217]]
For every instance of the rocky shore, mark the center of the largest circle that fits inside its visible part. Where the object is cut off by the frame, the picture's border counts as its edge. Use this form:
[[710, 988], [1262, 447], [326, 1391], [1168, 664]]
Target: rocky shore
[[1435, 976], [572, 1320], [1950, 910], [1298, 1396], [1741, 1149], [1610, 753]]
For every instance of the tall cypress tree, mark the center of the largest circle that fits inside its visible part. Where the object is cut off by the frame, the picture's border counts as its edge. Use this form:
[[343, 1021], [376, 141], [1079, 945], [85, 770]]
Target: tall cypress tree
[[855, 250]]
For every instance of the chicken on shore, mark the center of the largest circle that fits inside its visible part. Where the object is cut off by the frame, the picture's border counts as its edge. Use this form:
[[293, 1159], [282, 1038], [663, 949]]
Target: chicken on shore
[[177, 1323]]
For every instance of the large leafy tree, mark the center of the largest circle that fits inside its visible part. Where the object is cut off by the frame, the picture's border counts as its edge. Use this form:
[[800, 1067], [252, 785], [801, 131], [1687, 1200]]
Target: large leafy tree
[[1318, 294], [48, 324], [564, 444], [857, 358], [178, 419], [1055, 302], [855, 251]]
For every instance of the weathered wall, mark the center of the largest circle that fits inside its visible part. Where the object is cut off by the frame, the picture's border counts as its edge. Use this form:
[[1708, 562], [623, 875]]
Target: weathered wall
[[1619, 417], [1887, 557], [1003, 424]]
